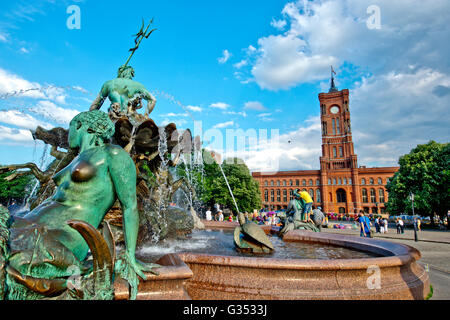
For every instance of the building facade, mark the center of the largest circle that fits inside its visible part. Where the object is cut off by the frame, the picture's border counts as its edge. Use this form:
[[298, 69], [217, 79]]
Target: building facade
[[340, 186]]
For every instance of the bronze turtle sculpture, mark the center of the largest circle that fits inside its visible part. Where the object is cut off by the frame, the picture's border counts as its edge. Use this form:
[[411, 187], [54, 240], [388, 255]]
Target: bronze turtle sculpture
[[249, 237]]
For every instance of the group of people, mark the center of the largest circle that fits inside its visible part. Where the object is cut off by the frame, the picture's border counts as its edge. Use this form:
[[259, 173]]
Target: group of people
[[400, 226], [381, 225], [217, 217]]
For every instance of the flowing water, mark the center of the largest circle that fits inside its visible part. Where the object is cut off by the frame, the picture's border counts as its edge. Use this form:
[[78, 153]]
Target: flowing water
[[220, 242]]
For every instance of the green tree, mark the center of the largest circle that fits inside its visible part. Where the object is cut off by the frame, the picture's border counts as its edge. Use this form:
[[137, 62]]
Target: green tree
[[14, 189], [425, 172], [214, 188]]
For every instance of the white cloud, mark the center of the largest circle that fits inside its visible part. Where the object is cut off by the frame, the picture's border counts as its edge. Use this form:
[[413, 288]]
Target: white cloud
[[171, 114], [51, 111], [194, 108], [11, 83], [24, 50], [3, 37], [393, 113], [11, 136], [236, 113], [224, 125], [22, 120], [220, 105], [283, 63], [240, 64], [226, 55], [254, 105], [296, 150], [328, 32], [278, 24]]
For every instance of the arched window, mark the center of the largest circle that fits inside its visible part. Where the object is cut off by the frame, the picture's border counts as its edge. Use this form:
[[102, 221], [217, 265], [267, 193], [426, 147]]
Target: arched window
[[380, 181], [340, 181], [266, 195], [291, 183], [334, 152], [271, 183], [297, 182], [265, 183], [285, 195], [278, 195], [317, 182], [278, 183], [349, 181], [318, 198], [363, 181], [310, 182], [291, 195], [364, 196], [311, 193], [341, 152], [303, 182], [341, 195], [334, 181], [329, 181], [284, 183], [345, 181], [371, 181], [372, 196], [381, 195], [272, 193]]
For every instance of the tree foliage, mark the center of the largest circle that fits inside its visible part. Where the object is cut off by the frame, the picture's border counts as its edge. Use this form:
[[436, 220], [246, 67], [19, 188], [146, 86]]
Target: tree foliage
[[214, 188], [425, 172], [14, 189]]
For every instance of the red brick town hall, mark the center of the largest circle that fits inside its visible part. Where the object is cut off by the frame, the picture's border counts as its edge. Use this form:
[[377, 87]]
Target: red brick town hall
[[340, 186]]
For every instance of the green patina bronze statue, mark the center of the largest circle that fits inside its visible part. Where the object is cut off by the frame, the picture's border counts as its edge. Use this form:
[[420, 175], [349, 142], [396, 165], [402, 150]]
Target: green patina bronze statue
[[124, 94], [296, 218], [48, 242]]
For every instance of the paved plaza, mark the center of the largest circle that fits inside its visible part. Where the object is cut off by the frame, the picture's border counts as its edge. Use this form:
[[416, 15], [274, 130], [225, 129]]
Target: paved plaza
[[434, 247]]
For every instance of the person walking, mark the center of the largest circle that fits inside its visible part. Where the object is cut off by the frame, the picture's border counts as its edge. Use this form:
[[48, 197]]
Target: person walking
[[208, 215], [402, 225], [381, 225], [418, 224], [220, 215], [397, 225], [385, 225], [365, 225], [377, 225]]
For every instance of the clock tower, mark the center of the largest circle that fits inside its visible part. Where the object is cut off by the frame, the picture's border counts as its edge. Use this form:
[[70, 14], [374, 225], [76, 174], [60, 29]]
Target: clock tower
[[338, 154]]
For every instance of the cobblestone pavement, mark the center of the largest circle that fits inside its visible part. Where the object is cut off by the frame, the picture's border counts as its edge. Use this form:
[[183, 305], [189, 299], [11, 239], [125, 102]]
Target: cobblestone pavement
[[435, 249]]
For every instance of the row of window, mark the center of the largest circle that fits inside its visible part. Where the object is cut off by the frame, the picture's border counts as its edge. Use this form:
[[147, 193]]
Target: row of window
[[348, 181], [340, 194], [373, 198], [310, 182], [290, 183], [316, 197]]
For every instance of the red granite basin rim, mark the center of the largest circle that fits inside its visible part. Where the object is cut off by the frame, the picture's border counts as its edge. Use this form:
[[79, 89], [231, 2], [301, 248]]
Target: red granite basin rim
[[394, 254]]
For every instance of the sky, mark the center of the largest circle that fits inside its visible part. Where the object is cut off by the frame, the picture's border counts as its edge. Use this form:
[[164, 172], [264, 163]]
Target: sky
[[224, 66]]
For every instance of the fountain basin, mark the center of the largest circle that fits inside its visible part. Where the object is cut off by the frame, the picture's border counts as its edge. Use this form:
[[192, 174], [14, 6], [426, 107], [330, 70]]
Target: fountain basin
[[218, 277], [168, 285]]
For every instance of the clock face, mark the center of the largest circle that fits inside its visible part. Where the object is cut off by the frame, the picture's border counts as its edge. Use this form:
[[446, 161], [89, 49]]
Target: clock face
[[334, 109]]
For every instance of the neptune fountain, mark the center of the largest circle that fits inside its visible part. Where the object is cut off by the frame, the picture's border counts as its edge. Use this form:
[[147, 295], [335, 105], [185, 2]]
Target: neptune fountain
[[107, 199]]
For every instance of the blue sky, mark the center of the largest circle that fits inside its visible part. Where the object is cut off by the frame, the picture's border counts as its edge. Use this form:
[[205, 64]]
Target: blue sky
[[245, 64]]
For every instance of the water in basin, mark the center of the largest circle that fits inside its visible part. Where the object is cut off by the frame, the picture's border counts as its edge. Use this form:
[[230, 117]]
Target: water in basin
[[220, 242]]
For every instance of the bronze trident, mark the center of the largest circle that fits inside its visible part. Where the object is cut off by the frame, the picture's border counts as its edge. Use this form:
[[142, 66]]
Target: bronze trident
[[139, 37]]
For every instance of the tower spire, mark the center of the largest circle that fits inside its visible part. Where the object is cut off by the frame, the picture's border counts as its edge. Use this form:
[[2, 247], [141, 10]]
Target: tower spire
[[332, 87]]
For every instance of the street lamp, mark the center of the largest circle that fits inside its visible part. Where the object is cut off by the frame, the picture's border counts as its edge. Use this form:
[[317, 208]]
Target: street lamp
[[411, 197]]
